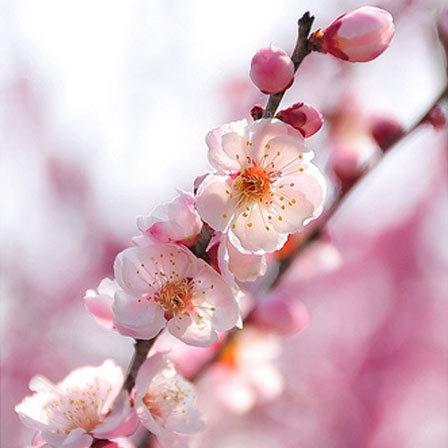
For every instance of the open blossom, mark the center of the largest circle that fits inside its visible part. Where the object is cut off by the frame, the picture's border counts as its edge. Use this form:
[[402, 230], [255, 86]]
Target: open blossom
[[166, 285], [265, 186], [173, 222], [246, 374], [99, 303], [165, 402], [360, 35], [86, 404]]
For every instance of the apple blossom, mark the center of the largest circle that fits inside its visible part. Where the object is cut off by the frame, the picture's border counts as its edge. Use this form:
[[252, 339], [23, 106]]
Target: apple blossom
[[99, 303], [166, 285], [265, 185], [87, 404], [173, 222], [357, 36], [246, 374], [165, 402], [304, 117], [272, 70]]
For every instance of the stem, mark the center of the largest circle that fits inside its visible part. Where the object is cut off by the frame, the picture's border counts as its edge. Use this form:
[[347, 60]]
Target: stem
[[141, 350], [301, 50]]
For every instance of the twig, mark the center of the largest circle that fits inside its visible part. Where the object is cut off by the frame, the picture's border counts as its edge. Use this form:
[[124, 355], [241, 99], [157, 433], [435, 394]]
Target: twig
[[141, 349], [301, 50]]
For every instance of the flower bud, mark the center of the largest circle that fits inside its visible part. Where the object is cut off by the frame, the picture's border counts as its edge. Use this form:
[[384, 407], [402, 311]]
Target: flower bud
[[271, 70], [386, 131], [436, 117], [281, 314], [347, 165], [360, 35], [307, 119], [256, 112]]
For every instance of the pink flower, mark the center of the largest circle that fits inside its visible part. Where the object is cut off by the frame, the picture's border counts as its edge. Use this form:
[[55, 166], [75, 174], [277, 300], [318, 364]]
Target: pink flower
[[304, 117], [234, 264], [281, 313], [272, 70], [99, 303], [165, 402], [265, 186], [173, 222], [246, 374], [166, 285], [86, 404], [360, 35]]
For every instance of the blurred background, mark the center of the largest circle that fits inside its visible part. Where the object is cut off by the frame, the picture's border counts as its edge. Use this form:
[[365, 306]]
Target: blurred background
[[104, 106]]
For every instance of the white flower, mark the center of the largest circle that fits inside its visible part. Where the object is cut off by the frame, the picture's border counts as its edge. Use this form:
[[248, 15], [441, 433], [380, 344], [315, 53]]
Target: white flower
[[166, 285], [86, 404], [165, 402], [265, 185]]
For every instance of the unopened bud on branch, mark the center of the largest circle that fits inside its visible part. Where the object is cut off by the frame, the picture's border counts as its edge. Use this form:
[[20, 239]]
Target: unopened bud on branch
[[272, 70]]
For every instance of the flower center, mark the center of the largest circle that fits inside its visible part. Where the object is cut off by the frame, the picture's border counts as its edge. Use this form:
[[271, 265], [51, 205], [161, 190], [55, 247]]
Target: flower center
[[252, 184], [150, 402], [175, 297], [229, 355]]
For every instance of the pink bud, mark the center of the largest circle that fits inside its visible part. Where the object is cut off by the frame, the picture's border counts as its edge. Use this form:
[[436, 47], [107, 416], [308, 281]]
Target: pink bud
[[346, 165], [105, 444], [256, 112], [307, 119], [281, 314], [360, 35], [386, 131], [436, 117], [271, 70]]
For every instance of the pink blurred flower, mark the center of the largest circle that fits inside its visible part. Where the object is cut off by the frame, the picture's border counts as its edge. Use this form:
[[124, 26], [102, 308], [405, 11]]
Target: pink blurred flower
[[166, 285], [304, 117], [265, 186], [386, 131], [165, 402], [86, 404], [246, 374], [174, 222], [271, 70], [99, 303], [360, 35], [281, 313]]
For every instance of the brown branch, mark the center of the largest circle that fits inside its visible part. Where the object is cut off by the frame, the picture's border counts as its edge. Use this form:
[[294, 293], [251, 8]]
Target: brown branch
[[141, 350], [301, 50]]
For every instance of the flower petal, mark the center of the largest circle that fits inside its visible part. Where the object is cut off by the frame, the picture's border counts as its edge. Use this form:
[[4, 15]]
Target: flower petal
[[220, 160], [253, 232], [137, 317], [215, 202], [198, 333], [212, 292]]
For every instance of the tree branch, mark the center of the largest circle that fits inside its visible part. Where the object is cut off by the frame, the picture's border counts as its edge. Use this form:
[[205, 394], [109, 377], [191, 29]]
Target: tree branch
[[301, 50]]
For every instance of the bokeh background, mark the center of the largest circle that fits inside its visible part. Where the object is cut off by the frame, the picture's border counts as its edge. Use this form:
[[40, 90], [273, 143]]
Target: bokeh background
[[104, 106]]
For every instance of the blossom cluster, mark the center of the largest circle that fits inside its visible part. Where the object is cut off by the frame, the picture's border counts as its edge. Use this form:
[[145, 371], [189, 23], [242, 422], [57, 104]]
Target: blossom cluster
[[185, 271]]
